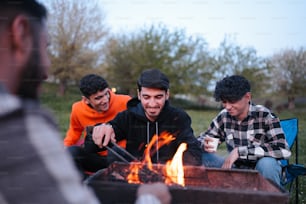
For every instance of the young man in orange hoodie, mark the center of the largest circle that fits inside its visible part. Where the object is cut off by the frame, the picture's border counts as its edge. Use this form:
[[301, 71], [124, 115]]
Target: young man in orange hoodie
[[98, 105]]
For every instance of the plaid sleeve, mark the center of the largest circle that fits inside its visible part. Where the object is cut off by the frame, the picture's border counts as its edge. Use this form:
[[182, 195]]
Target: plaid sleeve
[[274, 144], [213, 130]]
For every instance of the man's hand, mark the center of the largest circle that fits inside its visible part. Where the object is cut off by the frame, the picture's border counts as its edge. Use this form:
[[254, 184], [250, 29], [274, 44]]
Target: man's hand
[[232, 157], [102, 135], [208, 147]]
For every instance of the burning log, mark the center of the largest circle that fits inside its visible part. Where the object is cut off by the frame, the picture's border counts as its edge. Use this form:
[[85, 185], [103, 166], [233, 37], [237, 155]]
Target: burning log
[[148, 176], [142, 175]]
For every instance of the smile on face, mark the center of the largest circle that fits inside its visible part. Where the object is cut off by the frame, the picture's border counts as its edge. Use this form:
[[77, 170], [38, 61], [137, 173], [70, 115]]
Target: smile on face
[[238, 109], [153, 100], [99, 101]]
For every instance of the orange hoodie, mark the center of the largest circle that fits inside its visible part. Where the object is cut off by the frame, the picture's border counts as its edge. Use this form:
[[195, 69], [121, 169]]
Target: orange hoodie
[[82, 116]]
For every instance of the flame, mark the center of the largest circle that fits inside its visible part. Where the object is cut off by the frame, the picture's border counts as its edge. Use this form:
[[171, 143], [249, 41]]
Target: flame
[[174, 171], [133, 175], [163, 139], [147, 157]]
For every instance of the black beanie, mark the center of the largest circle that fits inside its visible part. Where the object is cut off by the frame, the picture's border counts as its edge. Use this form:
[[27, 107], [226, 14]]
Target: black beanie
[[153, 78]]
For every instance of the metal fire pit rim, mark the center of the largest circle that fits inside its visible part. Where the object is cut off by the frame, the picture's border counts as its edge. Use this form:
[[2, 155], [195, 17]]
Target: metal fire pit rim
[[186, 188], [186, 167], [192, 193], [229, 170]]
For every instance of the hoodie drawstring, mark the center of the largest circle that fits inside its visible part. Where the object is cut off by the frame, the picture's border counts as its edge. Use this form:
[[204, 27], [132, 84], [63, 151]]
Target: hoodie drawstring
[[157, 134], [148, 132], [148, 138]]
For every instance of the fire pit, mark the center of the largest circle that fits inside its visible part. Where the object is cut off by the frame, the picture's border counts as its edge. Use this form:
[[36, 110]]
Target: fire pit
[[202, 185]]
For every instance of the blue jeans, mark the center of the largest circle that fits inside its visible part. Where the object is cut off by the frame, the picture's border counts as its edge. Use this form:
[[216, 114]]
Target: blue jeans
[[268, 167]]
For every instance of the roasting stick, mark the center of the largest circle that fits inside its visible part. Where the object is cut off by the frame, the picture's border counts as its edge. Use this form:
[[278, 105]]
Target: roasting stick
[[117, 155], [123, 150], [90, 129]]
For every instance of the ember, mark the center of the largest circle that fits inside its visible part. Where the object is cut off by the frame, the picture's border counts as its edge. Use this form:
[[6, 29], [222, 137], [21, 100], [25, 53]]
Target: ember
[[142, 174], [172, 173]]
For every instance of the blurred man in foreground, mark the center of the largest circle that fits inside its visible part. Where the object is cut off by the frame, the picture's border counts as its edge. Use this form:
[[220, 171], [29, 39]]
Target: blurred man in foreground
[[35, 167]]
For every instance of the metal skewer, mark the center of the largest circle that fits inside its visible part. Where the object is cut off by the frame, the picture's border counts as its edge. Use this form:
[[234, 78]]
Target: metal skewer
[[89, 129], [117, 155], [124, 150]]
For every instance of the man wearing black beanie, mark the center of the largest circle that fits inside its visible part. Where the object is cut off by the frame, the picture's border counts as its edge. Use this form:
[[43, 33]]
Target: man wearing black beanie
[[147, 115]]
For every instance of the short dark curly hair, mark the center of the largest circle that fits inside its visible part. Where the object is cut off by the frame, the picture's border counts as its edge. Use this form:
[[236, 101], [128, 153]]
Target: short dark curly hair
[[231, 88], [91, 84]]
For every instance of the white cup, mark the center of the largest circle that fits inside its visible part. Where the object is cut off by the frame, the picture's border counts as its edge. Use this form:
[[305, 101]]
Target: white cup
[[214, 142]]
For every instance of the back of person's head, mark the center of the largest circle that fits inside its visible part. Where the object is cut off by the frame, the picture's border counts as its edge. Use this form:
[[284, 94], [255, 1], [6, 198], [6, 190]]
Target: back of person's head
[[91, 84], [22, 24], [231, 88], [153, 78], [11, 8]]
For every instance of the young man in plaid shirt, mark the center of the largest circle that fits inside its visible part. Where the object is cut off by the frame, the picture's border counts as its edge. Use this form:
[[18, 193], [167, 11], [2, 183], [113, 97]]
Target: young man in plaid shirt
[[252, 133]]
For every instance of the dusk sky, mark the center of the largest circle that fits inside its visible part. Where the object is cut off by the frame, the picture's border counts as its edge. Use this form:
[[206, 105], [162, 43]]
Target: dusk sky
[[266, 25]]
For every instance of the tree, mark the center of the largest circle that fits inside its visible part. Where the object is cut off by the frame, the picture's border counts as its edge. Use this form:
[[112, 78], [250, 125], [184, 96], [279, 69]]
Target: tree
[[289, 73], [77, 31], [232, 59], [183, 59]]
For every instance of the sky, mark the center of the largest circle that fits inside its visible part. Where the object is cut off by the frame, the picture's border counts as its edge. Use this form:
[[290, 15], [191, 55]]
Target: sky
[[268, 26]]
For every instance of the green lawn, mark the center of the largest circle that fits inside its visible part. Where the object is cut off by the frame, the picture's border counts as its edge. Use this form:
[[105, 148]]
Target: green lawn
[[61, 106]]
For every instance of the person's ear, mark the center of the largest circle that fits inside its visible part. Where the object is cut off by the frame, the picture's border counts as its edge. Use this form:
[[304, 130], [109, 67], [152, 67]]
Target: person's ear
[[86, 100], [138, 94], [167, 94], [21, 39], [248, 96]]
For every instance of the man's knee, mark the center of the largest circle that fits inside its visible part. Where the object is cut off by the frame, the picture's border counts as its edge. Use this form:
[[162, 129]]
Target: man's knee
[[268, 164], [212, 160], [269, 168]]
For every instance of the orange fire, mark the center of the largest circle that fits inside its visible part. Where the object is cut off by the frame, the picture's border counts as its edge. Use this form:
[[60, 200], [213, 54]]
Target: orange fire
[[174, 168], [174, 171], [163, 139], [133, 175]]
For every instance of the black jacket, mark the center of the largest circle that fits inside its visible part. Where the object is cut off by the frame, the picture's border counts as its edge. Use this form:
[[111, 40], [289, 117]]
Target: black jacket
[[133, 126]]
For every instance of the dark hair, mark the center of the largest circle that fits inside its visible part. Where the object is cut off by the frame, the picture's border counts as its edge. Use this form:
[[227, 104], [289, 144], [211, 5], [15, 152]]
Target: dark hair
[[231, 88], [153, 78], [91, 84], [11, 8], [36, 14]]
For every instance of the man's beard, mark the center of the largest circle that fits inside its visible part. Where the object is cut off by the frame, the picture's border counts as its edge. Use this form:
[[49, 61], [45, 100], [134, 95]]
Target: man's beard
[[31, 77]]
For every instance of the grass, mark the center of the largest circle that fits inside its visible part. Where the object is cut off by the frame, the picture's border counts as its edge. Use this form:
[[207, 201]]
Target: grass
[[60, 106]]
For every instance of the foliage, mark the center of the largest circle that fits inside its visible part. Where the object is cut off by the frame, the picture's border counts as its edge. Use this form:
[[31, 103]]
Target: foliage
[[82, 47], [289, 72], [60, 106], [231, 59], [75, 41], [183, 59], [187, 104]]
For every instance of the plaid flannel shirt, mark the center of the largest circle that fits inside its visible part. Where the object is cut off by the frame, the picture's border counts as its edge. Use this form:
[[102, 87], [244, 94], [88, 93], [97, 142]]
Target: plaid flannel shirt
[[258, 135]]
